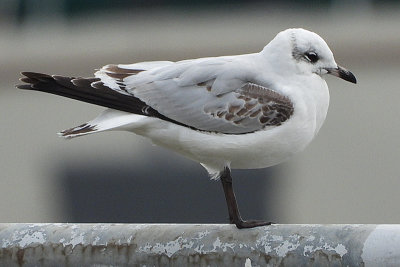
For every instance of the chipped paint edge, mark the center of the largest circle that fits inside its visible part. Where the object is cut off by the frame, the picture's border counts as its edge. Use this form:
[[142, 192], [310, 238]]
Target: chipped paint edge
[[342, 244]]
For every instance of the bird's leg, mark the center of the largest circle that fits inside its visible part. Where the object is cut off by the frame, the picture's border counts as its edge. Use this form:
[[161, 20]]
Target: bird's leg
[[234, 214]]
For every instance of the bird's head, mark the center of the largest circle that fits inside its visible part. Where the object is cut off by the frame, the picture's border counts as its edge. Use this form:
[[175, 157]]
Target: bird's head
[[307, 52]]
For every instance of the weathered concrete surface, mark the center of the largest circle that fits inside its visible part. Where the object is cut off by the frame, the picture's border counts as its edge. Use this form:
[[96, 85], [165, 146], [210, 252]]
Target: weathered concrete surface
[[198, 245]]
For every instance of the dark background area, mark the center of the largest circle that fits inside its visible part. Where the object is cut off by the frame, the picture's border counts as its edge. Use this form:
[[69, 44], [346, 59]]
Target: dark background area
[[162, 194]]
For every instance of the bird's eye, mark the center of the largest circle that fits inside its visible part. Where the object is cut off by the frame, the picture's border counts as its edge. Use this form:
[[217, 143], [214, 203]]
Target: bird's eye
[[311, 56]]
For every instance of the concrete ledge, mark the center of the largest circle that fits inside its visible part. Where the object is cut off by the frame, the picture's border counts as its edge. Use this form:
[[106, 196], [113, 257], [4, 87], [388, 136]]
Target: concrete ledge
[[198, 245]]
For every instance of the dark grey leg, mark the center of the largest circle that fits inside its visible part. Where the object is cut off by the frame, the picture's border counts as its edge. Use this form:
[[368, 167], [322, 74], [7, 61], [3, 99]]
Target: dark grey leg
[[234, 215]]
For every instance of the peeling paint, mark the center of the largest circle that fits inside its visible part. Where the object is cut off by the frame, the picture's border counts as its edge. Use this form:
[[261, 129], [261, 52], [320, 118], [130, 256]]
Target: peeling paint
[[341, 250], [310, 238], [27, 239], [285, 248], [224, 246], [308, 249], [267, 249], [184, 245], [276, 238], [202, 234], [75, 239], [96, 239]]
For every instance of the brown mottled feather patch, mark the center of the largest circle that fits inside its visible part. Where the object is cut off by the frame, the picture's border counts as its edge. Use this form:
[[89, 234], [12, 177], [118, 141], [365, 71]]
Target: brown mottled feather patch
[[206, 84], [266, 108], [233, 108], [250, 104], [229, 116], [221, 113], [255, 113], [262, 107], [264, 119], [118, 73], [242, 112], [115, 69]]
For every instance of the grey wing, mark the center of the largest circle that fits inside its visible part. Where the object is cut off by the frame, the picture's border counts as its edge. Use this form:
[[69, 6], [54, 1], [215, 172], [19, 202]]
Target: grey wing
[[218, 101]]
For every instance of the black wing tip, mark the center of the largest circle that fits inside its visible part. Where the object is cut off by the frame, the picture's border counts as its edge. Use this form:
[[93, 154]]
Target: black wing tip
[[23, 86], [27, 80], [34, 75], [32, 78]]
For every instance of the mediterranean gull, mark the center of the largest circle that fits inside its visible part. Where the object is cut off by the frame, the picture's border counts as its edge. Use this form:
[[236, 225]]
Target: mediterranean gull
[[230, 112]]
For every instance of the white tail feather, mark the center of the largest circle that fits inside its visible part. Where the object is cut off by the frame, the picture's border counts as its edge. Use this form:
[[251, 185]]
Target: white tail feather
[[109, 119]]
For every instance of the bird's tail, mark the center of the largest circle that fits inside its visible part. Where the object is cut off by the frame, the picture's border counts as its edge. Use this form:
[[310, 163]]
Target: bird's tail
[[109, 119]]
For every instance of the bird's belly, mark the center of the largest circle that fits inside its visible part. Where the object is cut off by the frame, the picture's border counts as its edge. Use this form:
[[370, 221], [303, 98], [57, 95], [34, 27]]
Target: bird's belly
[[243, 151], [273, 148]]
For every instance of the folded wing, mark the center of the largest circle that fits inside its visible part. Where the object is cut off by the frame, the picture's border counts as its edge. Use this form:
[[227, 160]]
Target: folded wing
[[211, 95], [208, 94]]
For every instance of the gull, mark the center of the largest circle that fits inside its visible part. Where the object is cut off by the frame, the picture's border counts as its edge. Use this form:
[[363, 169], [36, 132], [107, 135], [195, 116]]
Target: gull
[[230, 112]]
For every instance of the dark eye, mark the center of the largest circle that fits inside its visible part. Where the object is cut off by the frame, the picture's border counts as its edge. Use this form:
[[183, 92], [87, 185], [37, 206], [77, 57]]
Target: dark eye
[[311, 56]]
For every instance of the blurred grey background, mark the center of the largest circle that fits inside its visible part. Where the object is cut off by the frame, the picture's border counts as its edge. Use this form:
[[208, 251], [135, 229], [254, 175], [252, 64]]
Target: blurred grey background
[[349, 174]]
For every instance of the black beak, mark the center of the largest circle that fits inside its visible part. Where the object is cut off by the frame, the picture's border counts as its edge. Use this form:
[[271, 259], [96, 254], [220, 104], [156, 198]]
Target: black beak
[[343, 73]]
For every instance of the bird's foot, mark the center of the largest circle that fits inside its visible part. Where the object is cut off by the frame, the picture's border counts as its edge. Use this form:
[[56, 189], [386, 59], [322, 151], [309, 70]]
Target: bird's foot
[[249, 224]]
